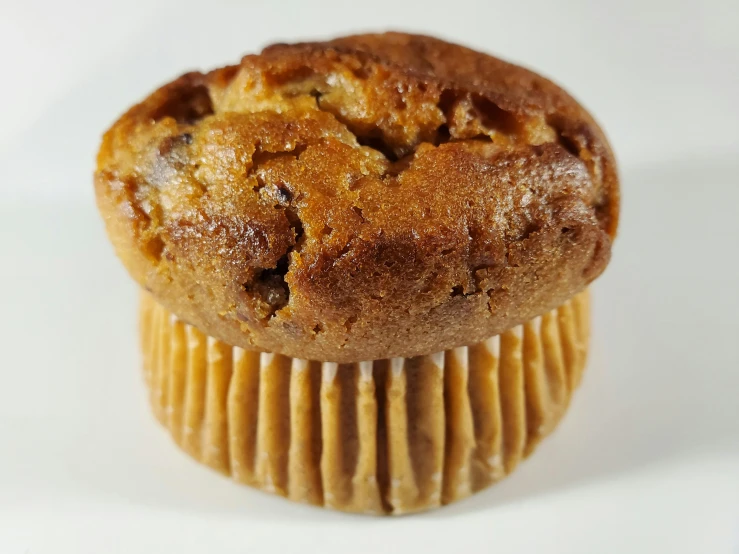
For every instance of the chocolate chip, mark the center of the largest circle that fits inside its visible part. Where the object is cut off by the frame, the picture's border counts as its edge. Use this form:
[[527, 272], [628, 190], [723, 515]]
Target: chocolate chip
[[283, 195]]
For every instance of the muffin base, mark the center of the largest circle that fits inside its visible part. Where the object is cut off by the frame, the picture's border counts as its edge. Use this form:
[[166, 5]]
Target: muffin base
[[378, 437]]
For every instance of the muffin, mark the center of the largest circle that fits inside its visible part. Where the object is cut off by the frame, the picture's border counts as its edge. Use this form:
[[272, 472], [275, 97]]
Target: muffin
[[364, 264]]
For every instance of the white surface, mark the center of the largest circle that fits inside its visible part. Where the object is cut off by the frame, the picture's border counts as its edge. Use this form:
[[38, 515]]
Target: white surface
[[647, 460]]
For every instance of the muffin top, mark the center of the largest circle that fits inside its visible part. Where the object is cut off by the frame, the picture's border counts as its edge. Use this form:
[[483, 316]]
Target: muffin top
[[361, 198]]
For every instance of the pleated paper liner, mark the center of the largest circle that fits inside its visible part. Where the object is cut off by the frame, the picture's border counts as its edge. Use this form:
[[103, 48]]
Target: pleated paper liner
[[384, 437]]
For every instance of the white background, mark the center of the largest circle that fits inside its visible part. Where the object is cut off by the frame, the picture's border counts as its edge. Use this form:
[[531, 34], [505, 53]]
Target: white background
[[647, 460]]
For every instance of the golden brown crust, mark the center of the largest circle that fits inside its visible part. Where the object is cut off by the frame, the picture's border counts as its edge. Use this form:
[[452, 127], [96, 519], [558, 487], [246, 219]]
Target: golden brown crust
[[368, 197]]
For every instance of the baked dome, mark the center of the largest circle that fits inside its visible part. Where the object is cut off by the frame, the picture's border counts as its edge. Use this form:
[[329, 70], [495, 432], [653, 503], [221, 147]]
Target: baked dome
[[362, 198]]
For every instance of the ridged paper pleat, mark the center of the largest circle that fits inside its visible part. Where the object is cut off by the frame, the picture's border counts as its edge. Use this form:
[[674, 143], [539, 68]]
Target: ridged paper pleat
[[387, 436]]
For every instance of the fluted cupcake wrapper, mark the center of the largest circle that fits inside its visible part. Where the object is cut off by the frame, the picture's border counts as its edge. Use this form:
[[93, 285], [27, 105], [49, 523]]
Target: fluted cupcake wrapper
[[380, 437]]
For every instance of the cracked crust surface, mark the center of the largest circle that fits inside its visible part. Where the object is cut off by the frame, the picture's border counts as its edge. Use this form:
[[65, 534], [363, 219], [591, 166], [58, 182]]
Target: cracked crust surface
[[367, 197]]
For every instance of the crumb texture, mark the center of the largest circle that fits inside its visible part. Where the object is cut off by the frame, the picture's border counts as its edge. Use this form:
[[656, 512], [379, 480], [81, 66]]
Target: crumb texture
[[363, 198]]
